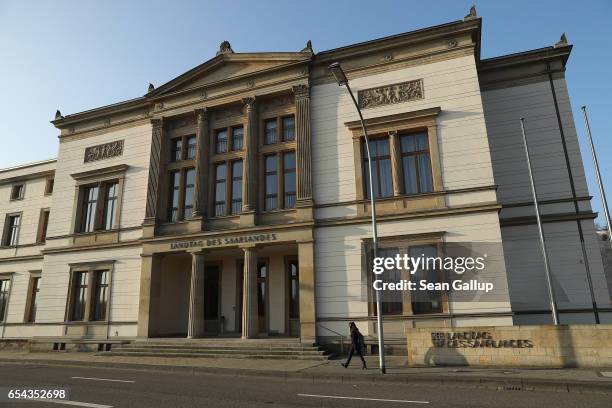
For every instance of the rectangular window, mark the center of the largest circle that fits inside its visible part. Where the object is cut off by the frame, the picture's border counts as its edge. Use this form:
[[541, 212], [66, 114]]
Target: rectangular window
[[289, 179], [221, 141], [90, 202], [79, 296], [191, 147], [177, 149], [42, 226], [220, 181], [175, 192], [11, 230], [189, 191], [17, 191], [381, 168], [416, 163], [270, 131], [4, 296], [294, 290], [237, 138], [424, 302], [288, 128], [33, 299], [49, 186], [110, 205], [271, 182], [236, 187], [100, 295], [391, 299]]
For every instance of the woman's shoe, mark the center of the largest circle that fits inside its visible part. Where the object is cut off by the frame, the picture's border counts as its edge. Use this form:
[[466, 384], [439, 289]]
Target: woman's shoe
[[364, 368], [344, 365]]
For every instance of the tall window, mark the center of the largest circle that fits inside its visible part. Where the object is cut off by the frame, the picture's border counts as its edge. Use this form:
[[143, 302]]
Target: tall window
[[294, 290], [88, 220], [175, 193], [425, 301], [102, 196], [191, 147], [183, 148], [288, 128], [177, 149], [189, 191], [42, 226], [236, 187], [416, 163], [391, 299], [182, 190], [79, 296], [110, 204], [289, 179], [49, 186], [4, 295], [221, 141], [271, 182], [220, 184], [17, 191], [270, 131], [237, 138], [100, 295], [11, 230], [381, 168], [34, 289]]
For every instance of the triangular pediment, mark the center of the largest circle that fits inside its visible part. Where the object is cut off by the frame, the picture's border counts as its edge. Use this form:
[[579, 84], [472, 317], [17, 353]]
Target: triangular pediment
[[227, 67]]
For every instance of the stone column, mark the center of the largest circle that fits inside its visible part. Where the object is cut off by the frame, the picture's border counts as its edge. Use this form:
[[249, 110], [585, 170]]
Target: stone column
[[250, 159], [195, 326], [155, 166], [303, 146], [250, 314], [396, 163], [308, 316], [201, 160], [148, 301]]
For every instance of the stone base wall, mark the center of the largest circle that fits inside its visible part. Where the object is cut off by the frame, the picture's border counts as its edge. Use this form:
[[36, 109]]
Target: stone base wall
[[587, 345]]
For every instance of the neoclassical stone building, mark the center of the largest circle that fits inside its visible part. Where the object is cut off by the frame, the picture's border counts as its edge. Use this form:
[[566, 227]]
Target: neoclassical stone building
[[231, 201]]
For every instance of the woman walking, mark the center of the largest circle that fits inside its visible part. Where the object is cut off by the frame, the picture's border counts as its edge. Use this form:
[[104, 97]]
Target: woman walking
[[357, 345]]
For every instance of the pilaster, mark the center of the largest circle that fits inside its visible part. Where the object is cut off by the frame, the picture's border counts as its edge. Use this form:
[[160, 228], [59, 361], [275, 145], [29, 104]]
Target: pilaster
[[250, 315], [201, 159], [155, 170], [303, 146], [249, 178]]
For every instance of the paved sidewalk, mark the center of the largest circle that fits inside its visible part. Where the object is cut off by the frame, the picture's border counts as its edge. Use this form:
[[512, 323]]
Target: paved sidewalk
[[562, 380]]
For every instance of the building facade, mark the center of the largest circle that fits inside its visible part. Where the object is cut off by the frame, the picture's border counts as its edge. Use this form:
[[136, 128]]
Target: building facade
[[231, 201]]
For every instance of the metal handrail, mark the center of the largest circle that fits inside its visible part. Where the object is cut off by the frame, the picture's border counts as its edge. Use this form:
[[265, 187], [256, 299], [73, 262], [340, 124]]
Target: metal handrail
[[342, 336]]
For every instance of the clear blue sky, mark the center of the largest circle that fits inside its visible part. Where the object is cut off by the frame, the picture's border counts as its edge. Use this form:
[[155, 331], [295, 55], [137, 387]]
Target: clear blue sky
[[76, 55]]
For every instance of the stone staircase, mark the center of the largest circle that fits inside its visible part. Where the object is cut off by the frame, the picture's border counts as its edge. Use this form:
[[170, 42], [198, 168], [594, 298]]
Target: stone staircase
[[277, 349]]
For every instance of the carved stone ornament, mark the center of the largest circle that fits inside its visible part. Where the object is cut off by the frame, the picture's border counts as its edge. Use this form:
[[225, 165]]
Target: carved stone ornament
[[452, 43], [225, 48], [103, 151], [386, 95]]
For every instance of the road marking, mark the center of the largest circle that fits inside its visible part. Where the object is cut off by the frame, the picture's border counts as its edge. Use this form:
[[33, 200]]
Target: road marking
[[75, 403], [103, 379], [362, 399]]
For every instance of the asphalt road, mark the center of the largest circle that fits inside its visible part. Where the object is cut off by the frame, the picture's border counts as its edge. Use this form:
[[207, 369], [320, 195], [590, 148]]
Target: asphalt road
[[104, 388]]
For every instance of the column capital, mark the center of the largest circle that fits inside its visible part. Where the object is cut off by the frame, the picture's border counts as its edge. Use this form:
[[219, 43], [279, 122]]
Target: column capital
[[392, 132], [249, 102], [301, 91], [201, 114], [157, 122]]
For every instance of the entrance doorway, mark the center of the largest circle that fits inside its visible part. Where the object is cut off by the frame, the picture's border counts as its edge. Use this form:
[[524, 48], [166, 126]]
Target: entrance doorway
[[212, 321]]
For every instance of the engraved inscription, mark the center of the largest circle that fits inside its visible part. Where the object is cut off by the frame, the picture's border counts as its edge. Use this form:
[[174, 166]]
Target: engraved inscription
[[396, 93], [104, 151]]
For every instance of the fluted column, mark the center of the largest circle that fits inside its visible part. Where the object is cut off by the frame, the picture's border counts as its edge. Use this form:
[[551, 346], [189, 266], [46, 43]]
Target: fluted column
[[195, 327], [303, 145], [250, 160], [155, 164], [250, 315], [396, 163], [201, 159]]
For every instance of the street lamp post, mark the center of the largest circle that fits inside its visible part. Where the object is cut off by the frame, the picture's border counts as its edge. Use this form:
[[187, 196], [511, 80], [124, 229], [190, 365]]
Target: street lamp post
[[341, 78]]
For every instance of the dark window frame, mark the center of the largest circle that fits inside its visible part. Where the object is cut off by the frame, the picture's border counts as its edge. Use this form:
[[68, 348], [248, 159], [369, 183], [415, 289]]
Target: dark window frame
[[183, 148], [416, 154], [10, 235], [91, 213], [376, 167], [6, 284], [183, 206], [43, 224]]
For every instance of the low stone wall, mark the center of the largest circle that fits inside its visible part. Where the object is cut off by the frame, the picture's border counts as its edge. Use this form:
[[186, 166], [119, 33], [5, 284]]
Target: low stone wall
[[587, 345]]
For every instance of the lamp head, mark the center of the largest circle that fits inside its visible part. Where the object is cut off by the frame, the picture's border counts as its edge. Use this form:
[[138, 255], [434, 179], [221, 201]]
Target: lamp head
[[338, 73]]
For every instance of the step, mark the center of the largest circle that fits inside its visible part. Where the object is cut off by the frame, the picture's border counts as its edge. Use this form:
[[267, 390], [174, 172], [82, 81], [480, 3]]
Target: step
[[215, 350], [262, 356], [214, 347]]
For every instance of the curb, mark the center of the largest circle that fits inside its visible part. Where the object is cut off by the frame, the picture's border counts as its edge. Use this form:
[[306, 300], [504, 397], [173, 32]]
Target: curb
[[444, 380]]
